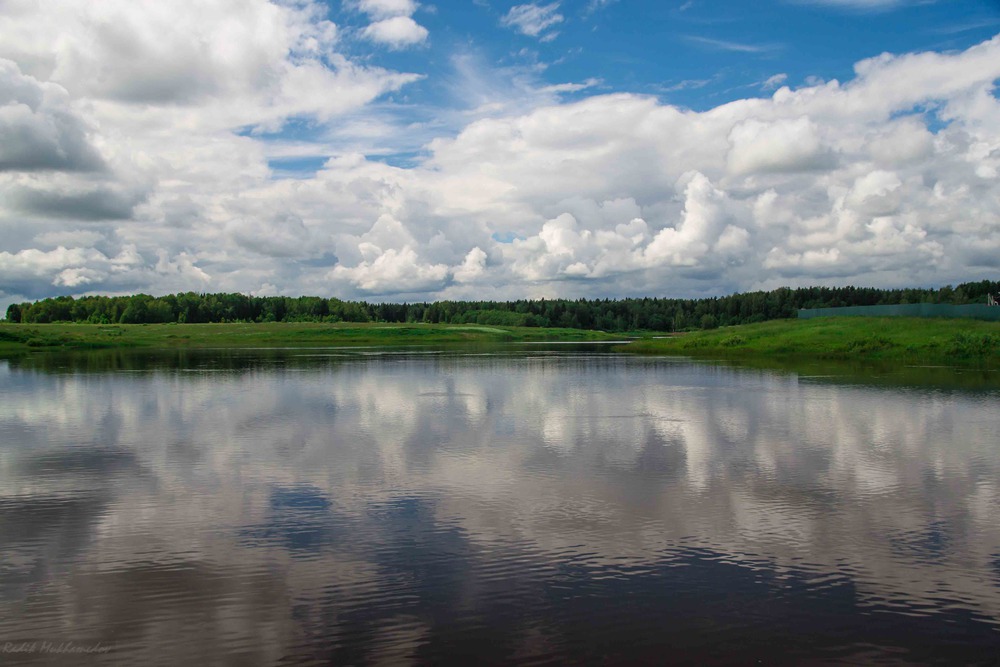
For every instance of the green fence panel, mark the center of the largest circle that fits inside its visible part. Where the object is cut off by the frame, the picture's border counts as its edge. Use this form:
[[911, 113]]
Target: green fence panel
[[976, 311]]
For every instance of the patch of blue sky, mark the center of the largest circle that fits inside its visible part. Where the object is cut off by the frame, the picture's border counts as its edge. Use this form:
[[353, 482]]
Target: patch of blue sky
[[929, 113], [293, 129], [710, 53], [506, 237], [296, 167], [403, 160], [695, 54]]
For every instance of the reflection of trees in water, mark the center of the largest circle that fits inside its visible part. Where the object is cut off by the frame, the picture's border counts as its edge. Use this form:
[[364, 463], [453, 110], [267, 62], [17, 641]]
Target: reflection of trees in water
[[400, 502]]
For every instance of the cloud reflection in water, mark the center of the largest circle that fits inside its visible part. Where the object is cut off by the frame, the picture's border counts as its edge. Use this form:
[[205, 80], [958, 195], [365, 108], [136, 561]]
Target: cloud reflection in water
[[502, 508]]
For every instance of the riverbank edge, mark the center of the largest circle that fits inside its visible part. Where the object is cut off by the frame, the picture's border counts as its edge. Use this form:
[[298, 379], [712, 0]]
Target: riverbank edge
[[15, 338], [882, 339], [861, 339]]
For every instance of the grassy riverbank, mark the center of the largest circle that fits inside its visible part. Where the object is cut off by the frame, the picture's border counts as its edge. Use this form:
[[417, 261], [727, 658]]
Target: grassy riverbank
[[23, 337], [844, 338], [861, 339]]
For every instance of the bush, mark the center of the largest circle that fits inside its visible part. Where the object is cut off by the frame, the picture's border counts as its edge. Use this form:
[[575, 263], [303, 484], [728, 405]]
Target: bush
[[965, 344], [870, 344], [11, 336]]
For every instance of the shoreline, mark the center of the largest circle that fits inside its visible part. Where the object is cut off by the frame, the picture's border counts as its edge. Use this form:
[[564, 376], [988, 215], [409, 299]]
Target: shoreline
[[897, 340], [19, 338]]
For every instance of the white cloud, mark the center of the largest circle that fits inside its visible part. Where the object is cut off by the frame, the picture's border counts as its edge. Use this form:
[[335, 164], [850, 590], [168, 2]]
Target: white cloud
[[473, 266], [604, 196], [396, 32], [154, 52], [392, 272], [699, 232], [224, 64], [533, 20], [779, 146], [70, 237], [380, 9], [125, 116], [597, 5], [71, 199], [34, 272], [38, 128], [876, 193], [35, 263], [905, 142], [727, 45], [772, 82], [284, 237], [393, 25]]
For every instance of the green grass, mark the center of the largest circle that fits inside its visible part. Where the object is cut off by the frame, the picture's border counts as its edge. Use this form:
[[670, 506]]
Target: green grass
[[843, 338], [888, 339], [22, 337]]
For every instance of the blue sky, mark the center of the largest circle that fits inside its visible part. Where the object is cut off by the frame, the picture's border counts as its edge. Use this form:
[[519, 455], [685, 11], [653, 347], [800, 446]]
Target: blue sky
[[693, 54], [696, 54], [401, 150]]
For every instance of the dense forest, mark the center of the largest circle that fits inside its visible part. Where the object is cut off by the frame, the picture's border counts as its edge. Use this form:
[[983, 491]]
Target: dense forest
[[656, 314]]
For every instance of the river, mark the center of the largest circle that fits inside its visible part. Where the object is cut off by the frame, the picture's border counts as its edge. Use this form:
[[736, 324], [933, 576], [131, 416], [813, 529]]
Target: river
[[490, 506]]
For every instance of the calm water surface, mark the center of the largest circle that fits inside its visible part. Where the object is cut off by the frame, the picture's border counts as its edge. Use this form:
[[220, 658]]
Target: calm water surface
[[362, 507]]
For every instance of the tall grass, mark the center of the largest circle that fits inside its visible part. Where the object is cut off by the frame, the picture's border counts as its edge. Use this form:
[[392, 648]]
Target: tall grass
[[14, 337], [845, 338]]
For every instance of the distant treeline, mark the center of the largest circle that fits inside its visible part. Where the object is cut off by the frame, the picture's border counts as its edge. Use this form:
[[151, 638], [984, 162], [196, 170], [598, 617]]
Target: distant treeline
[[605, 314]]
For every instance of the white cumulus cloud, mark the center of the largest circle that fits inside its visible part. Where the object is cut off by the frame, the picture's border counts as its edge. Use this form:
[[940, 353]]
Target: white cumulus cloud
[[380, 9], [132, 169], [396, 32], [392, 25], [534, 20], [38, 128]]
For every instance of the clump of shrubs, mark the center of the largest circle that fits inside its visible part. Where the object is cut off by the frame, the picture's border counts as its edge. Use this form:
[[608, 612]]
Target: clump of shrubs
[[874, 343], [964, 344]]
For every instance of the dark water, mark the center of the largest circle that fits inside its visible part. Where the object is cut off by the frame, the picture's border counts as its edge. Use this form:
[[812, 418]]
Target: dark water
[[336, 507]]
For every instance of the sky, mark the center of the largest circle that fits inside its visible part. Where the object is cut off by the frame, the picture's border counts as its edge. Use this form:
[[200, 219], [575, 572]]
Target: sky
[[397, 150]]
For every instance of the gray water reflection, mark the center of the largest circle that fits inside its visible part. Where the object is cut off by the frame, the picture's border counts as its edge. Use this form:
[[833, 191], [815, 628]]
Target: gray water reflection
[[317, 507]]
